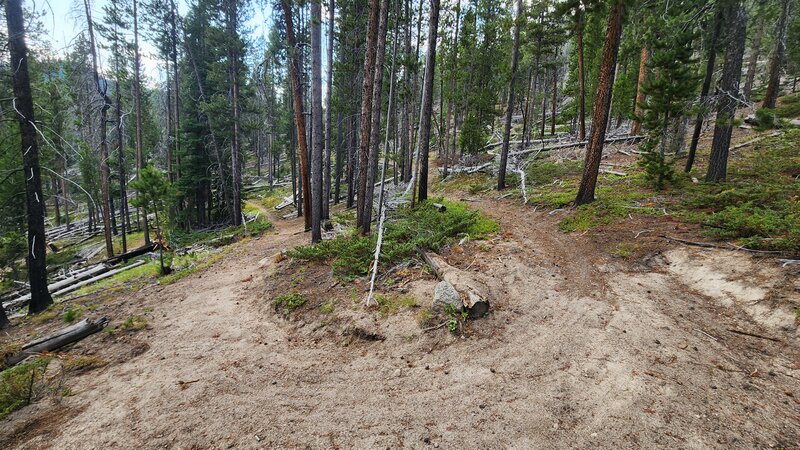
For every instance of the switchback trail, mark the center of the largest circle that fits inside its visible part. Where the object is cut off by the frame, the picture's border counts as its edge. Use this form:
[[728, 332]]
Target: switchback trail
[[581, 350]]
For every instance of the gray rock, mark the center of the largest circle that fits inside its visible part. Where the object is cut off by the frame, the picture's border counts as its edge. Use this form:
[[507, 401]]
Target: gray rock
[[446, 295]]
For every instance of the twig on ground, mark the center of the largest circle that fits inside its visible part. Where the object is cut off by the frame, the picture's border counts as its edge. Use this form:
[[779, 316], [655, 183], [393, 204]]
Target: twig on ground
[[745, 333]]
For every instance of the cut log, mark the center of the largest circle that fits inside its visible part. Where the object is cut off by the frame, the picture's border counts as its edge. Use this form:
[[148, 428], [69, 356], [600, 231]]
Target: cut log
[[440, 207], [59, 339], [474, 294]]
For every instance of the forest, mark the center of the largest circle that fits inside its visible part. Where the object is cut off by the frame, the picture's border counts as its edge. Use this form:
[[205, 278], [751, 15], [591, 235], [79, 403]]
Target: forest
[[400, 223]]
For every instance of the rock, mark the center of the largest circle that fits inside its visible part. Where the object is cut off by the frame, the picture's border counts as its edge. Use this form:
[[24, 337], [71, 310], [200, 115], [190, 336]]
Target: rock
[[446, 295], [795, 122]]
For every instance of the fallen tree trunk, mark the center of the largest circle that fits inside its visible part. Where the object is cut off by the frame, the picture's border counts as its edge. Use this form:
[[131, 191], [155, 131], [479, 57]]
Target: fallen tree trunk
[[631, 139], [474, 294], [102, 276], [59, 339], [132, 254], [54, 287]]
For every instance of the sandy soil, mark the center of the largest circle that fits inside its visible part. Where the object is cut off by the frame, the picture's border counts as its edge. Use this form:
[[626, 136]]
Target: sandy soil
[[582, 350]]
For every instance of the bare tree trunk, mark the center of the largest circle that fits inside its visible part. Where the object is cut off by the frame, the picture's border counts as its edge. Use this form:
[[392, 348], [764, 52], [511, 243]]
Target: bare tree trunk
[[326, 190], [427, 102], [636, 128], [501, 172], [34, 198], [298, 112], [451, 102], [712, 56], [729, 92], [554, 101], [137, 106], [317, 199], [776, 63], [339, 142], [405, 142], [602, 105], [233, 73], [375, 128], [367, 106], [104, 171], [177, 89], [755, 52]]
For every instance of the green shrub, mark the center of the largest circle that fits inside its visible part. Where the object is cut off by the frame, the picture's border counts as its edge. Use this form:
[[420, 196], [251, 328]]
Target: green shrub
[[423, 226], [289, 301]]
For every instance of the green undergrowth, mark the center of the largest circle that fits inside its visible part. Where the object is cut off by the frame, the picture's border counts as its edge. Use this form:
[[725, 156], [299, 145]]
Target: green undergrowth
[[423, 226], [759, 203], [289, 301], [789, 107], [21, 384]]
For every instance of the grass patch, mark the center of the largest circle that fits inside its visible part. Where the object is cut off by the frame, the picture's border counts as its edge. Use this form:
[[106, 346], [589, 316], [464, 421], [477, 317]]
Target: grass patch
[[289, 301], [49, 314], [327, 307], [21, 384], [613, 203], [423, 226], [82, 363], [391, 304], [136, 276], [72, 314], [547, 172], [133, 323]]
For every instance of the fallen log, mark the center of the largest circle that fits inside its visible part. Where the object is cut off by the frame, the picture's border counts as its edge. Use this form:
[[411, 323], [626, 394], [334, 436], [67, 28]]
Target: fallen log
[[474, 294], [53, 287], [102, 276], [59, 339], [631, 139], [132, 254]]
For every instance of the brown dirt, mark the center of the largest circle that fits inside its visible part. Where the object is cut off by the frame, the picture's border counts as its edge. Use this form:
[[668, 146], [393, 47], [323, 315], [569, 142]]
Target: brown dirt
[[582, 349]]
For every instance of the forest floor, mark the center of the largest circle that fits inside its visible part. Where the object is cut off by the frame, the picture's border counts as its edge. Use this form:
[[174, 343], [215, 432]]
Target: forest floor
[[586, 346]]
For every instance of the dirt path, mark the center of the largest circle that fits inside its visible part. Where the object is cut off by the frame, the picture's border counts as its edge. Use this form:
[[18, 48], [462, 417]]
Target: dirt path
[[581, 351]]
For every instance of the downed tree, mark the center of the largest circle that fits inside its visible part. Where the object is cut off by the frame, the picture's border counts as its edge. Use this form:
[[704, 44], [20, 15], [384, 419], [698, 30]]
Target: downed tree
[[132, 254], [95, 279], [613, 140], [59, 339], [474, 294]]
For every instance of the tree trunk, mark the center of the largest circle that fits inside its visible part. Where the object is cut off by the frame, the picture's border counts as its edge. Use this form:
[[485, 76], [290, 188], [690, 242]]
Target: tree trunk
[[367, 106], [712, 56], [104, 171], [427, 101], [776, 63], [34, 198], [317, 199], [233, 61], [137, 106], [177, 87], [602, 105], [581, 76], [339, 142], [298, 112], [636, 128], [123, 193], [501, 171], [554, 101], [375, 128], [729, 88], [755, 52], [326, 188]]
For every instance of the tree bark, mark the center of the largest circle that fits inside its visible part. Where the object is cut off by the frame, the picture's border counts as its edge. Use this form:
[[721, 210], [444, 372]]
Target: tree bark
[[501, 171], [233, 73], [34, 198], [755, 52], [427, 102], [736, 18], [137, 106], [367, 106], [298, 111], [104, 170], [375, 128], [712, 56], [326, 190], [776, 63], [317, 199], [602, 105], [636, 128], [581, 75]]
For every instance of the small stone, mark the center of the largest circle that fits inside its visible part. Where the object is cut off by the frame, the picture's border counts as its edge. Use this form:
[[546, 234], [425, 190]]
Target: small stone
[[444, 296]]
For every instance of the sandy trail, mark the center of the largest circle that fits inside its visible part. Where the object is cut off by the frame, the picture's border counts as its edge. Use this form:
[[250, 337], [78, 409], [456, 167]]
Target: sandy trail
[[580, 351]]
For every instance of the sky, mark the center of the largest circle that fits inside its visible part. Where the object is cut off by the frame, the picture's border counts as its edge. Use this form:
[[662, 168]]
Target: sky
[[64, 20]]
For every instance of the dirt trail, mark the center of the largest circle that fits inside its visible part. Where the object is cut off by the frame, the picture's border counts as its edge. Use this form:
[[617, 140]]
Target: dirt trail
[[581, 351]]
